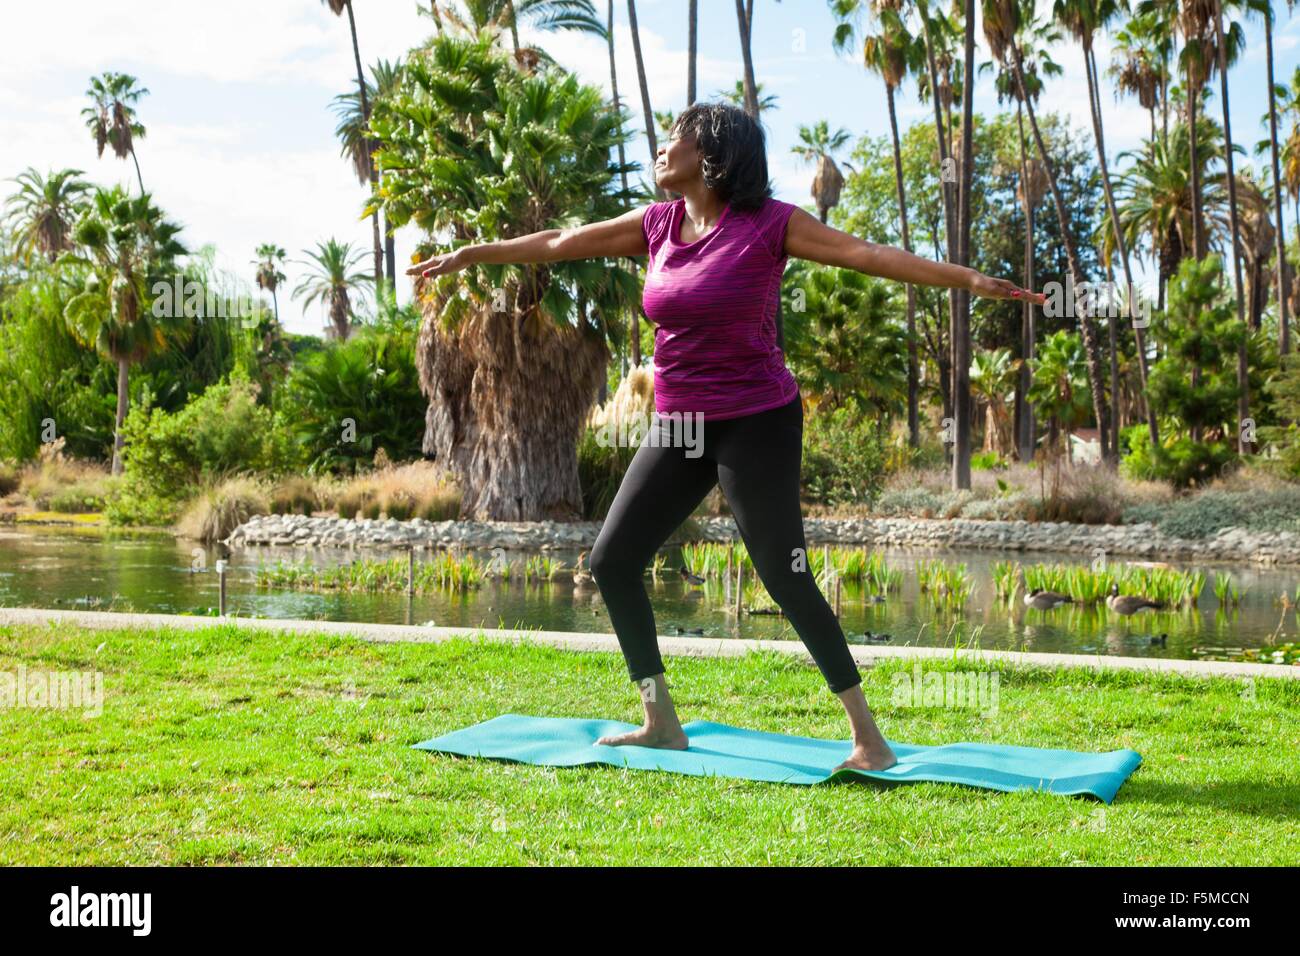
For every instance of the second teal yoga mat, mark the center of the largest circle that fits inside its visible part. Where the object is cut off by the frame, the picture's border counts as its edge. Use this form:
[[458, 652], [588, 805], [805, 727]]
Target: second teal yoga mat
[[724, 751]]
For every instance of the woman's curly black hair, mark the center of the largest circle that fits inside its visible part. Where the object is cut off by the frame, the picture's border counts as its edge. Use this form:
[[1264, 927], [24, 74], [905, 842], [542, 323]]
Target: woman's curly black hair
[[733, 152]]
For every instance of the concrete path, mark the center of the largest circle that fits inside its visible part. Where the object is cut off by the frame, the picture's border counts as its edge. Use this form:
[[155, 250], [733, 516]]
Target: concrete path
[[865, 655]]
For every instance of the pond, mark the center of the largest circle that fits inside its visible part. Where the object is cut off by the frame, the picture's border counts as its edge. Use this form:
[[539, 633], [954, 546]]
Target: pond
[[81, 570]]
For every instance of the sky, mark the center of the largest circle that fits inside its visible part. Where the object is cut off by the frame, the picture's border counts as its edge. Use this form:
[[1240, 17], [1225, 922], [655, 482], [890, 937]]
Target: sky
[[240, 146]]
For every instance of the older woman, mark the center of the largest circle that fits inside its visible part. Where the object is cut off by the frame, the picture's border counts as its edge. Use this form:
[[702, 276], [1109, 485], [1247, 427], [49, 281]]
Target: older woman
[[716, 256]]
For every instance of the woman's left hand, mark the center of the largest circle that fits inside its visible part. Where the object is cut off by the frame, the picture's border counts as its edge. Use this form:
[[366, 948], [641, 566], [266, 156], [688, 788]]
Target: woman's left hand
[[991, 288]]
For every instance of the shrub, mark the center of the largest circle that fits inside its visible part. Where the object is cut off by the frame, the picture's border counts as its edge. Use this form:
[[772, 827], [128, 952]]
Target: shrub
[[222, 433], [909, 501], [9, 480], [601, 467], [416, 490], [294, 495], [220, 509], [843, 458]]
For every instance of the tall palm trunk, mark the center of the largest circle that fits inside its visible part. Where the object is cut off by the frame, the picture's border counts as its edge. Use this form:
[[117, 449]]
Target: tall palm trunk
[[645, 95], [1283, 331], [374, 173], [123, 368], [1087, 330], [945, 186], [1026, 437], [634, 332], [751, 93], [913, 375], [961, 317], [514, 26], [692, 39], [1243, 372], [1099, 134]]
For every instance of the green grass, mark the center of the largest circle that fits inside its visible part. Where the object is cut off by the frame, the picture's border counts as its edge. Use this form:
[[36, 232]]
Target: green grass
[[223, 746]]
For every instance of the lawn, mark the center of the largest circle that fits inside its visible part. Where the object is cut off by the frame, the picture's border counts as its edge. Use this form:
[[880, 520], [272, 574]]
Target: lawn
[[222, 746]]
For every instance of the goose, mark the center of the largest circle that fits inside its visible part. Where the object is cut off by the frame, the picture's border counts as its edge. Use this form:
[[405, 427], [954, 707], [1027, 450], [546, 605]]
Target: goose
[[690, 578], [1041, 600], [1130, 603], [580, 576]]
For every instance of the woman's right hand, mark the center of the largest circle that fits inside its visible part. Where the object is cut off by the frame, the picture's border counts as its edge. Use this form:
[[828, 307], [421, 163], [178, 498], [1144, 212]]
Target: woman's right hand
[[439, 265]]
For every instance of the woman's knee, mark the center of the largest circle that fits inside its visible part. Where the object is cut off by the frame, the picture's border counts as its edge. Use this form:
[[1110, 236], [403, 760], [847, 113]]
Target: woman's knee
[[608, 563]]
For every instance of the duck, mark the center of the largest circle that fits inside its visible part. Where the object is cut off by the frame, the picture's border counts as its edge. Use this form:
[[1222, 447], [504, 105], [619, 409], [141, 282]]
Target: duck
[[875, 599], [690, 578], [877, 638], [688, 630], [1159, 640], [579, 575], [1041, 600], [1130, 603]]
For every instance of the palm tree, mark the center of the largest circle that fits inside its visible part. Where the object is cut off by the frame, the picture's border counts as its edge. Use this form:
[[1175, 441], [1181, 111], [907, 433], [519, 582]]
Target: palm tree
[[993, 377], [358, 148], [1141, 68], [817, 144], [510, 357], [1283, 331], [546, 15], [651, 139], [844, 345], [331, 282], [127, 245], [338, 7], [692, 31], [269, 275], [1083, 18], [892, 53], [736, 96], [1001, 29], [634, 332], [750, 88], [1060, 386], [112, 118], [1227, 48], [961, 347], [44, 210], [1036, 37]]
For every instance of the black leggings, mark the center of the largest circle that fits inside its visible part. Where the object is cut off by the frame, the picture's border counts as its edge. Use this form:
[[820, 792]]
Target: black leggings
[[757, 459]]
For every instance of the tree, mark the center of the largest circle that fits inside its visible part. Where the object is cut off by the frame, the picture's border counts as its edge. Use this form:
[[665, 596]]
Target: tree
[[1060, 386], [818, 145], [338, 7], [269, 276], [1001, 29], [1083, 18], [44, 210], [511, 357], [331, 282], [127, 246], [993, 376], [112, 120], [634, 332], [651, 139], [843, 343], [357, 146]]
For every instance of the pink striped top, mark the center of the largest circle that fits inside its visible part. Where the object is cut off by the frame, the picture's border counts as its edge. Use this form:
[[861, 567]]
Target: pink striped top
[[714, 304]]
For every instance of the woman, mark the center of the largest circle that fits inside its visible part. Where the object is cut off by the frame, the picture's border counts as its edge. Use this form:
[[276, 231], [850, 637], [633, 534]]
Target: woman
[[714, 276]]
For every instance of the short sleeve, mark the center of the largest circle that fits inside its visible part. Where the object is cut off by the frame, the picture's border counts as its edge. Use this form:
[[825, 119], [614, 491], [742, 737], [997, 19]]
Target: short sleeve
[[771, 221], [654, 224]]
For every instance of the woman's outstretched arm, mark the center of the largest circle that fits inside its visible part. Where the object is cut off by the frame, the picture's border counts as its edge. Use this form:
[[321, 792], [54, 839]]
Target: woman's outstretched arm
[[808, 238], [621, 236]]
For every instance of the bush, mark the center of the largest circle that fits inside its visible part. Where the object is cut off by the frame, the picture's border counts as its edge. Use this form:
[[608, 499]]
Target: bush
[[1204, 515], [909, 501], [9, 480], [416, 490], [221, 509], [601, 468], [843, 458], [222, 433], [294, 495]]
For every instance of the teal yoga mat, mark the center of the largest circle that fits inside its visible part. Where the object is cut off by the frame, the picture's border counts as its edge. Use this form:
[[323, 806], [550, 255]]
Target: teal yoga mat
[[723, 751]]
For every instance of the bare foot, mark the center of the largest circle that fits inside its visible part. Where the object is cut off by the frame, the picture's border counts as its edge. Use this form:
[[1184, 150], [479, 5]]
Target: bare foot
[[869, 758], [658, 737]]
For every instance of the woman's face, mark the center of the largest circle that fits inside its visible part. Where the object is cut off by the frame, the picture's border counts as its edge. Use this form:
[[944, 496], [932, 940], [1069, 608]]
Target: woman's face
[[678, 162]]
